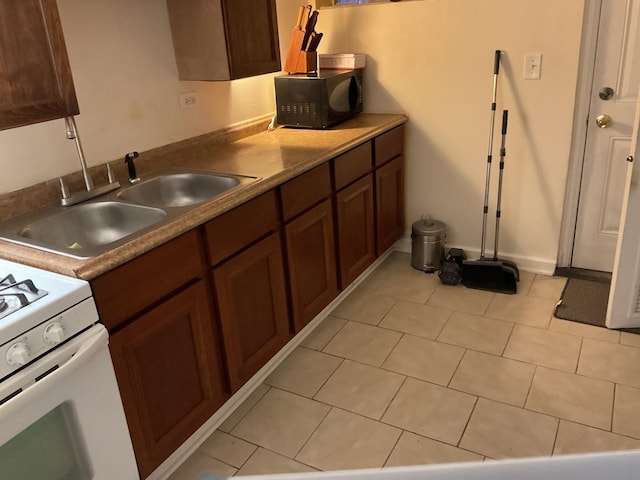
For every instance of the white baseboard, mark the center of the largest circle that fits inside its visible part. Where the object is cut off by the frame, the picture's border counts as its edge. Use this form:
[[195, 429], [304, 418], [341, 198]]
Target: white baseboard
[[542, 266]]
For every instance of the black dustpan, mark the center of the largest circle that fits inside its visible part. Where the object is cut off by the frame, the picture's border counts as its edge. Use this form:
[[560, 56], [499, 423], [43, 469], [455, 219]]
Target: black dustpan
[[491, 275]]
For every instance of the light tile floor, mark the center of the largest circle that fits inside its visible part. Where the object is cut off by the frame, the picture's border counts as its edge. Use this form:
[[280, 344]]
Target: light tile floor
[[408, 371]]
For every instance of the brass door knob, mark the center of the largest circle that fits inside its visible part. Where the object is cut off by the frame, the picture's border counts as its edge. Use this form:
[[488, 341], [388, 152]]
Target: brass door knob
[[603, 120]]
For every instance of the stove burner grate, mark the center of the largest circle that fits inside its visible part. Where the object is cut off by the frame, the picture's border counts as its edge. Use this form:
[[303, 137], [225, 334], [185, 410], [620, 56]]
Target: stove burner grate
[[15, 295]]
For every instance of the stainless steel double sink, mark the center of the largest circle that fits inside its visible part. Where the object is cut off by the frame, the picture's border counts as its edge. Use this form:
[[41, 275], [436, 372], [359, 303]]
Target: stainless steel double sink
[[94, 227]]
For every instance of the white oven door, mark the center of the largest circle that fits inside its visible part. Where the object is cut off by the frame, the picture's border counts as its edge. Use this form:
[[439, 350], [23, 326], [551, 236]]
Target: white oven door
[[62, 417]]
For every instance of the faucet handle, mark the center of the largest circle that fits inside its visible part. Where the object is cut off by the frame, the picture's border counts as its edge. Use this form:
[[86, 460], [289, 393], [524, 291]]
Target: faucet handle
[[60, 183], [110, 175], [64, 190]]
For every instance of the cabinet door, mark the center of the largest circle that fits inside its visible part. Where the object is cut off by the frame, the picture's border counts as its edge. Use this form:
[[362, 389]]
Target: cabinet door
[[168, 369], [252, 35], [311, 262], [356, 240], [224, 39], [252, 302], [389, 204], [35, 77]]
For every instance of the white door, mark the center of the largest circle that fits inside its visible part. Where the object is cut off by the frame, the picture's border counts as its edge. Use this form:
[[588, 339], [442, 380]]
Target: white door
[[613, 99], [623, 310]]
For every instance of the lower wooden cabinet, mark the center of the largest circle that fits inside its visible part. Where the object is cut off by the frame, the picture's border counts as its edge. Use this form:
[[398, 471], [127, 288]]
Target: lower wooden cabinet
[[168, 366], [223, 311], [252, 303], [389, 204], [355, 224], [311, 261]]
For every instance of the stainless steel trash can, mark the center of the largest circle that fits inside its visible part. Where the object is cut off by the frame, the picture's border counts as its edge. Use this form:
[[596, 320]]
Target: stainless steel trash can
[[427, 244]]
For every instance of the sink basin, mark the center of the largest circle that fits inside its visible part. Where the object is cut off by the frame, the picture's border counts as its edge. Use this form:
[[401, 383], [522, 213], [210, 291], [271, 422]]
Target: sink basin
[[179, 189], [97, 226], [85, 230]]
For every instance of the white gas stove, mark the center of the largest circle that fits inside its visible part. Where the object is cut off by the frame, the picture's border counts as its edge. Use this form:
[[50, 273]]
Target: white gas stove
[[39, 310], [57, 382]]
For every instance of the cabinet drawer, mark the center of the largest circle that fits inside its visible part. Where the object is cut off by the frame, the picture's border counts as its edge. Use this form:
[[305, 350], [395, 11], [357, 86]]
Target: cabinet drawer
[[132, 287], [389, 145], [352, 165], [243, 225], [305, 190]]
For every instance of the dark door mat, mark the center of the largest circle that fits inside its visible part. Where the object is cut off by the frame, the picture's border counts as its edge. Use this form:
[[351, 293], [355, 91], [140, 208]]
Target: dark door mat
[[585, 301]]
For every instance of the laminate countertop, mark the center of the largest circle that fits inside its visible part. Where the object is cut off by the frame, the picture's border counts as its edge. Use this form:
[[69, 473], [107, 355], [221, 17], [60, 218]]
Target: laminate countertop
[[274, 156]]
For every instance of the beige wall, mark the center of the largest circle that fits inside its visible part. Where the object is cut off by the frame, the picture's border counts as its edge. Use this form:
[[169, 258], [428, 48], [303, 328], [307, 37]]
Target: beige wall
[[431, 59]]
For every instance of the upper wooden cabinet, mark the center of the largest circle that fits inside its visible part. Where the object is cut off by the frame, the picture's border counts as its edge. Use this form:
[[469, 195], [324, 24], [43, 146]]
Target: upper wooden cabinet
[[35, 77], [224, 39]]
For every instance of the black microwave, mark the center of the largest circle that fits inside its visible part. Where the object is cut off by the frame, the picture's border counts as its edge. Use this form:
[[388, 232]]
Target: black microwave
[[319, 100]]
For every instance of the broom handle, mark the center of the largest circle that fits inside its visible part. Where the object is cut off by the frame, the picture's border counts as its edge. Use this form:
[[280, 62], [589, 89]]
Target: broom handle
[[503, 153], [496, 70]]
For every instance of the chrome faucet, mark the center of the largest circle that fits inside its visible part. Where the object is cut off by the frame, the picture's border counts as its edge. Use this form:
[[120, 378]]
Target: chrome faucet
[[72, 134], [131, 166], [91, 190]]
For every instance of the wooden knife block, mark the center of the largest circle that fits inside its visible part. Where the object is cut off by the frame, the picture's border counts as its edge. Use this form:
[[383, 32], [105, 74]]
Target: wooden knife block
[[302, 62], [299, 61]]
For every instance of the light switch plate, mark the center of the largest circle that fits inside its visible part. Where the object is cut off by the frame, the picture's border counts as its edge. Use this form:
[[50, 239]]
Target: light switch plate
[[532, 66]]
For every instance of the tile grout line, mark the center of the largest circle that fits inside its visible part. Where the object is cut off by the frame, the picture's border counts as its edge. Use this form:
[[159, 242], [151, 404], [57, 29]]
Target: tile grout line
[[613, 406], [392, 399], [466, 425], [332, 337], [331, 407], [384, 464], [579, 355], [555, 438], [453, 374]]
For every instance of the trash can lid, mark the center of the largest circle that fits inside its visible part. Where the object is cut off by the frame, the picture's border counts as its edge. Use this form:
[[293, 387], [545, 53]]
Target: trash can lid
[[428, 226]]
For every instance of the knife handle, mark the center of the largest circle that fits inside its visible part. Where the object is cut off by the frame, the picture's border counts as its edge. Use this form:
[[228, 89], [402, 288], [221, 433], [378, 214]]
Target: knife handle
[[496, 62], [301, 10], [305, 17], [314, 41], [313, 19]]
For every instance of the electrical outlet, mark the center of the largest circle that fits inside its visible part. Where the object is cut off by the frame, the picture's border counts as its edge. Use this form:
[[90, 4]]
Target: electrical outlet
[[188, 100], [532, 66]]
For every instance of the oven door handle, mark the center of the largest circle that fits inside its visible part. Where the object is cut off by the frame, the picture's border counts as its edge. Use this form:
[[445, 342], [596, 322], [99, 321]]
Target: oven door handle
[[79, 349]]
